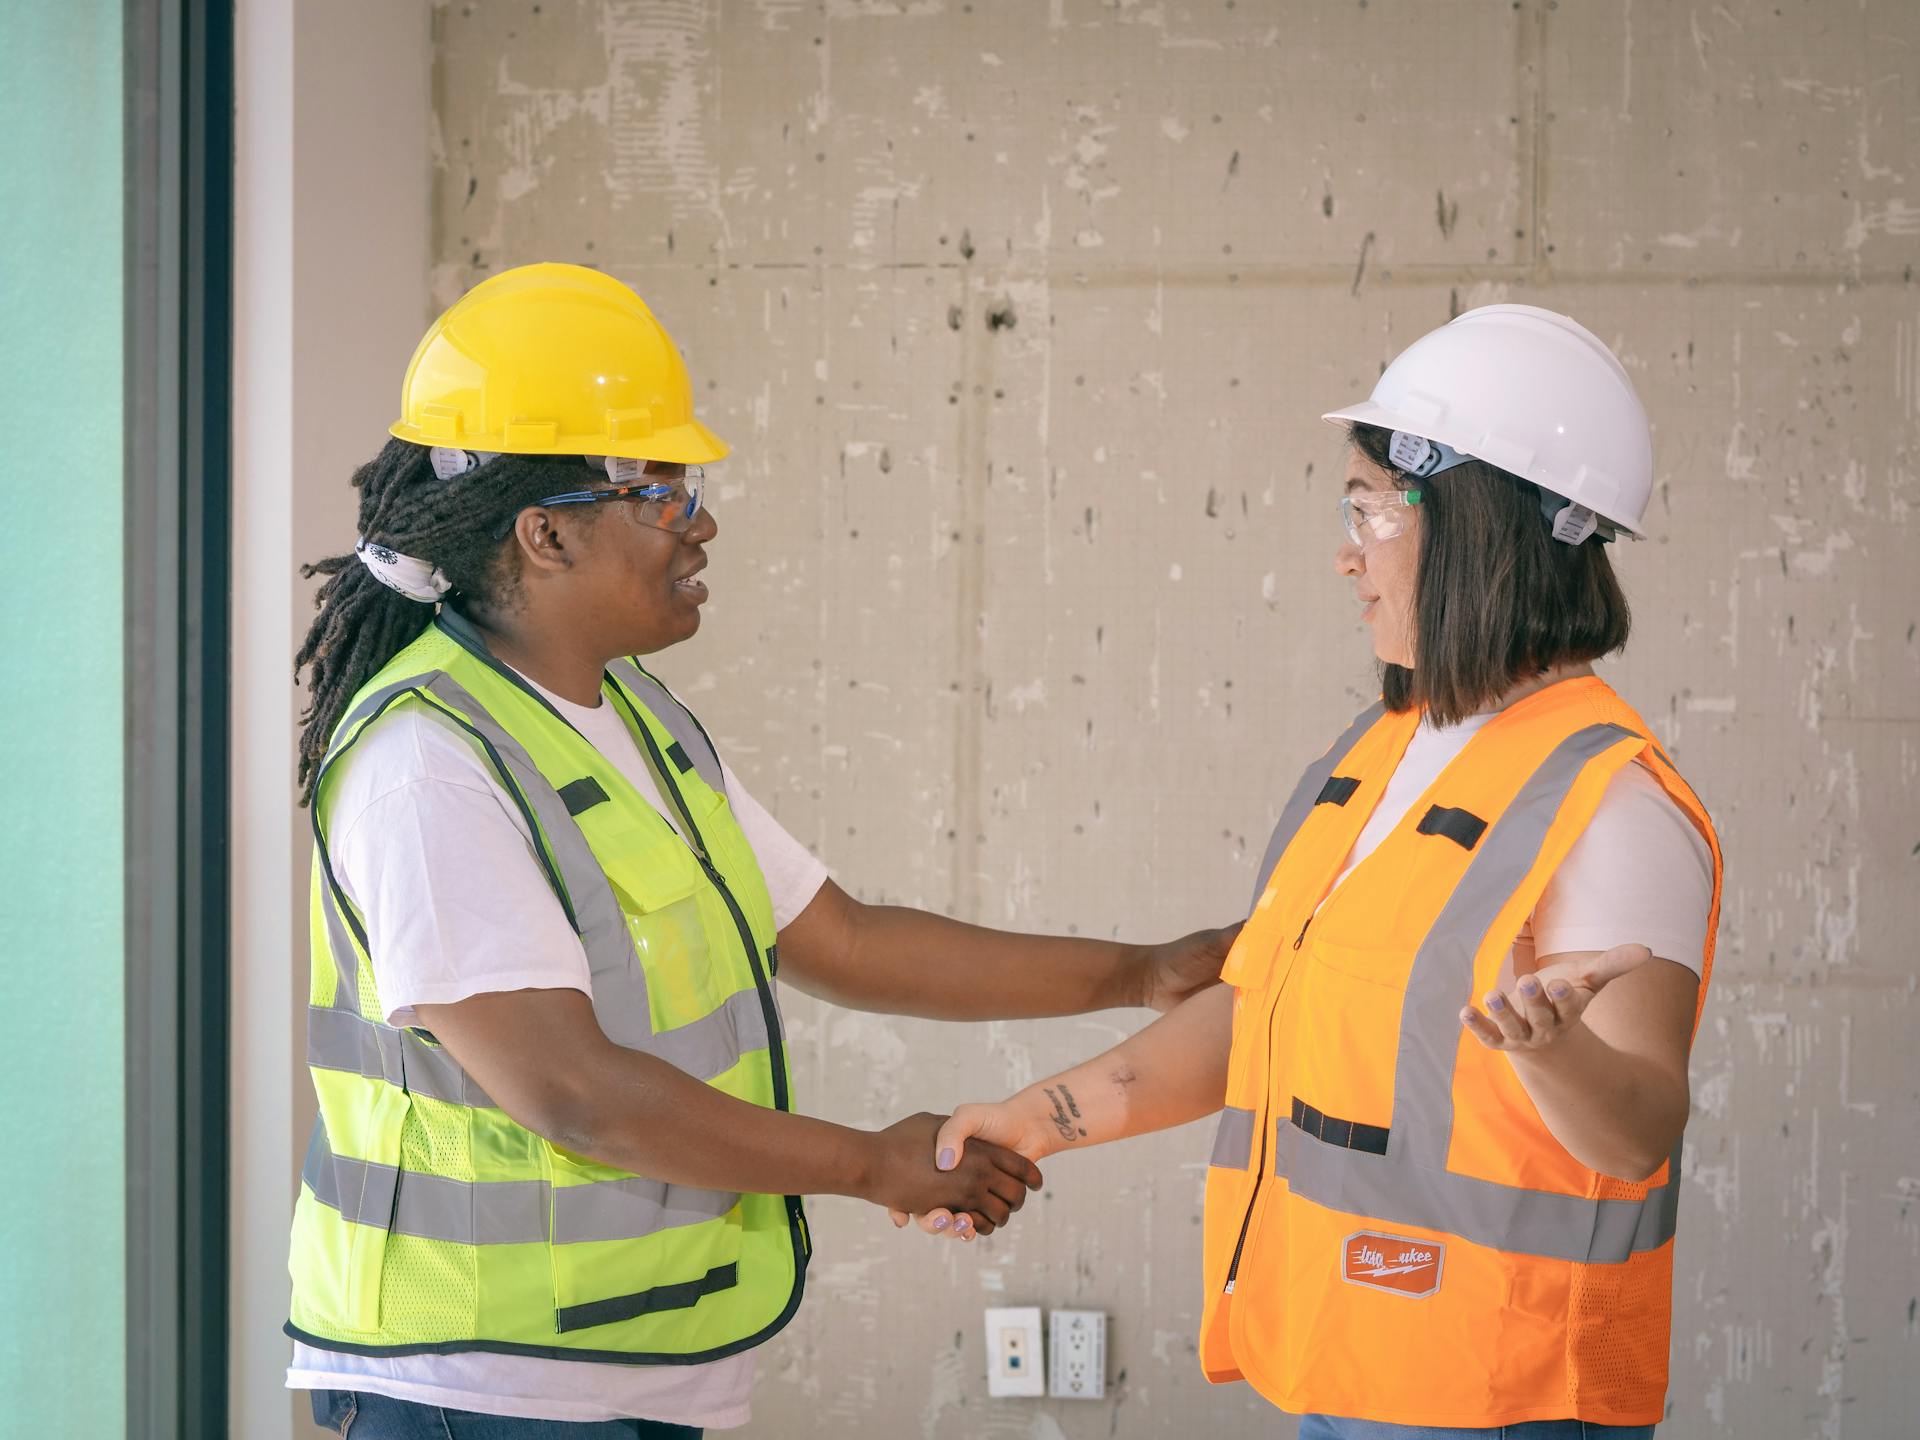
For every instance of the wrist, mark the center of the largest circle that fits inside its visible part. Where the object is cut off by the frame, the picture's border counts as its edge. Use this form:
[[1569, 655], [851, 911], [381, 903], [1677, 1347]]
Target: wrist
[[1043, 1120], [859, 1164], [1130, 986]]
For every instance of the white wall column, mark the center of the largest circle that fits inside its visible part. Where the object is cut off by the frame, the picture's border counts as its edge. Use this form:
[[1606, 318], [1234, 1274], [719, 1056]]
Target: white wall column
[[333, 162]]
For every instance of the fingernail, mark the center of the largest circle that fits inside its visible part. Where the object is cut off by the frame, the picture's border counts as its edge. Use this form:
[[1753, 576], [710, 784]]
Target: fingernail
[[1529, 986], [1559, 989], [945, 1162], [963, 1224], [941, 1223], [1496, 1002]]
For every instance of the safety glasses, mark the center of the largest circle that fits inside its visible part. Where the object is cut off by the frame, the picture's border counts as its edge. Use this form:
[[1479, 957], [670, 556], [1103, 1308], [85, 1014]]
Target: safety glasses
[[1374, 516], [665, 504]]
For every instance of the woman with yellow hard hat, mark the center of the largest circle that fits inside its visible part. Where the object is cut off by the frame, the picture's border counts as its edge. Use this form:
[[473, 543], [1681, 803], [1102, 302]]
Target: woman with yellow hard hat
[[554, 1188], [1451, 1055]]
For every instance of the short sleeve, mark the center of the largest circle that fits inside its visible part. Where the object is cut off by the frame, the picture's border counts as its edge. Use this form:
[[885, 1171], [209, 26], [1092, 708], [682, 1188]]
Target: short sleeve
[[441, 868], [1640, 874], [793, 875]]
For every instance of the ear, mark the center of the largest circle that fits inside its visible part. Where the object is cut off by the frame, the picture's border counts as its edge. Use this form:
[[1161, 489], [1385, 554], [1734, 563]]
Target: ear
[[543, 540]]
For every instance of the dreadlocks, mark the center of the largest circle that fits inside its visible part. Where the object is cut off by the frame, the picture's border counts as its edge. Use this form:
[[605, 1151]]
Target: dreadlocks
[[453, 524]]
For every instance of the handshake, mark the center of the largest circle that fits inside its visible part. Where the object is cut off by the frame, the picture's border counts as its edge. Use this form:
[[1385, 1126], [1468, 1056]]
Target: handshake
[[923, 1167]]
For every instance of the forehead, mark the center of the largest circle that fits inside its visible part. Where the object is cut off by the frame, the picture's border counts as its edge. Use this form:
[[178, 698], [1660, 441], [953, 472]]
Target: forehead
[[1363, 474]]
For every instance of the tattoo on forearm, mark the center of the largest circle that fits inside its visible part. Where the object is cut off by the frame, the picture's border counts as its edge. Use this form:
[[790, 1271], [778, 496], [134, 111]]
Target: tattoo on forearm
[[1065, 1113]]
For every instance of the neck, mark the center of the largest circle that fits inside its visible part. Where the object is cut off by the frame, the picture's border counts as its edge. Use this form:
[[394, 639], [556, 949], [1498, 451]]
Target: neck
[[565, 663]]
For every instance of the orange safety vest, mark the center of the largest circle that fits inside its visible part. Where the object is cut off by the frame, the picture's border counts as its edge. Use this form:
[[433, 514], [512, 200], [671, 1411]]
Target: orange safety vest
[[1392, 1232]]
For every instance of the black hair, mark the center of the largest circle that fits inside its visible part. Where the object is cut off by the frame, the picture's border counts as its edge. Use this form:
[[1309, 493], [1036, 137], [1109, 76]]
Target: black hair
[[1497, 600], [454, 524]]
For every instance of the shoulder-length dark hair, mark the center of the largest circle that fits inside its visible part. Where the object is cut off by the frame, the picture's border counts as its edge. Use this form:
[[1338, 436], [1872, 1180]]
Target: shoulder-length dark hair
[[1497, 600]]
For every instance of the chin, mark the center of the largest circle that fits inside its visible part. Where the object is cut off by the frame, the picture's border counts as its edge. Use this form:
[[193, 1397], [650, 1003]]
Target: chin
[[1393, 655]]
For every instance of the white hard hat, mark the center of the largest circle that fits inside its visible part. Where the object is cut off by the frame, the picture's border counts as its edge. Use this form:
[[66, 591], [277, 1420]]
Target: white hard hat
[[1531, 392]]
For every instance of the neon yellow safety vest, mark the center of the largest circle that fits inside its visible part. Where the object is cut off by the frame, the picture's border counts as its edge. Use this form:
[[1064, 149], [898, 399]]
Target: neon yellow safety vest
[[428, 1220]]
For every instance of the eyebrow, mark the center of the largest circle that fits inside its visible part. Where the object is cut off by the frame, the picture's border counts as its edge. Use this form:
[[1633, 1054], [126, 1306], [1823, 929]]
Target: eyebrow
[[1355, 484]]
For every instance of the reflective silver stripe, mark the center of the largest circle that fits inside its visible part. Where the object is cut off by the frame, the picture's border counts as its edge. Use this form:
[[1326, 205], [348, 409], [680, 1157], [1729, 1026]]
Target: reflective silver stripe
[[501, 1212], [1500, 1217], [1441, 979], [1300, 804], [340, 1040], [677, 719], [346, 958], [714, 1043], [348, 729], [624, 1209], [619, 996], [1233, 1141]]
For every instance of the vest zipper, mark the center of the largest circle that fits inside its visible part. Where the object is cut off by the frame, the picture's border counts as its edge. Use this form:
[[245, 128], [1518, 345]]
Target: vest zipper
[[776, 1043], [1264, 1123]]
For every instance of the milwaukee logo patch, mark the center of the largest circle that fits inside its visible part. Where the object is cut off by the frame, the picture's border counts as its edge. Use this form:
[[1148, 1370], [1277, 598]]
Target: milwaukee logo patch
[[1393, 1262]]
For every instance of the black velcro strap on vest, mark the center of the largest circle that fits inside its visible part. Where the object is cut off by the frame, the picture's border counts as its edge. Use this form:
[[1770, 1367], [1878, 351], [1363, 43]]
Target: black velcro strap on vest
[[682, 1296], [677, 753], [1347, 1134], [582, 794], [1338, 790], [1463, 827]]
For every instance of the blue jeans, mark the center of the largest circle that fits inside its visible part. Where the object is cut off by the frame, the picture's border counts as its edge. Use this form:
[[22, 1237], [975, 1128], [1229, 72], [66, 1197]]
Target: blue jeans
[[1330, 1427], [354, 1416]]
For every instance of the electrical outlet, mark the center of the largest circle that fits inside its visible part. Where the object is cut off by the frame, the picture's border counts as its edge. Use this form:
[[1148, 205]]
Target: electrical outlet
[[1077, 1364], [1015, 1365]]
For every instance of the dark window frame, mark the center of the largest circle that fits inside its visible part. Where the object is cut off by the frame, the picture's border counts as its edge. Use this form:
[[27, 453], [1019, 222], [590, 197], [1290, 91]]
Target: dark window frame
[[179, 76]]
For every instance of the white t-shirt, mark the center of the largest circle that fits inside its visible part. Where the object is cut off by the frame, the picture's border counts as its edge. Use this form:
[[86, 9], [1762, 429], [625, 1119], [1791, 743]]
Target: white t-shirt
[[1639, 873], [437, 858]]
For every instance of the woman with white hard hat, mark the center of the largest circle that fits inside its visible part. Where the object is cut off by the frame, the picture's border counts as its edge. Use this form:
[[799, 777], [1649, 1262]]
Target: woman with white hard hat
[[1452, 1049], [555, 1185]]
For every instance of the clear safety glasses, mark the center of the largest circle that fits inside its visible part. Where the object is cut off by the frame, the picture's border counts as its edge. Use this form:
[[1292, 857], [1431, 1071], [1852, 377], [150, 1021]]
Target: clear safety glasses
[[665, 503], [1375, 516]]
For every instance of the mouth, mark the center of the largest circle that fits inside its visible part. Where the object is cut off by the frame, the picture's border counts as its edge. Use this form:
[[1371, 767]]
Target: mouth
[[691, 586], [1367, 603]]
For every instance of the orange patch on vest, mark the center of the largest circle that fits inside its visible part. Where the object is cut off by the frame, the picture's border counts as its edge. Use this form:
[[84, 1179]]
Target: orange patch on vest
[[1393, 1262]]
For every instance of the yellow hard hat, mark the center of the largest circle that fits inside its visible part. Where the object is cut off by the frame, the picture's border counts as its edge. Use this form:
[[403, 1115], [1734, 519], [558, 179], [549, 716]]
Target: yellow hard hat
[[553, 360]]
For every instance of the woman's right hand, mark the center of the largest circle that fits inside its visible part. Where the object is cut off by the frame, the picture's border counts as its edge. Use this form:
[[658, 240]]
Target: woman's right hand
[[1014, 1124], [982, 1184]]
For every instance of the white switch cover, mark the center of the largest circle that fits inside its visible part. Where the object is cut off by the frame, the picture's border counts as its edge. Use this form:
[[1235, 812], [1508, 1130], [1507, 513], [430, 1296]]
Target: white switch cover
[[1014, 1363], [1077, 1340]]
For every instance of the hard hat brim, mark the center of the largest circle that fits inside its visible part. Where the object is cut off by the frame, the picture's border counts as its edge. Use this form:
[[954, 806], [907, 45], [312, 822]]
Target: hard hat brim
[[689, 444]]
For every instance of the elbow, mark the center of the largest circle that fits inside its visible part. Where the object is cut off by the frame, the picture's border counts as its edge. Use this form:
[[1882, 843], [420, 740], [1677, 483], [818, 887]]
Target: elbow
[[1637, 1159], [1640, 1168], [571, 1117]]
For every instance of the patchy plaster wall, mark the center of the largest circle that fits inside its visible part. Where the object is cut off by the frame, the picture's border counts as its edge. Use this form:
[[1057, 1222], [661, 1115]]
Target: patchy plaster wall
[[1020, 317]]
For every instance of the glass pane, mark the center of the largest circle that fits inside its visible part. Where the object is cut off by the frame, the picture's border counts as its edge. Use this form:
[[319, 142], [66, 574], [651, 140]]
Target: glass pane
[[62, 1208]]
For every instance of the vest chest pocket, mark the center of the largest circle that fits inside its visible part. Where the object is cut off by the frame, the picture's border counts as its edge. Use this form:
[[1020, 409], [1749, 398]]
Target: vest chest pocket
[[1337, 1047], [670, 914]]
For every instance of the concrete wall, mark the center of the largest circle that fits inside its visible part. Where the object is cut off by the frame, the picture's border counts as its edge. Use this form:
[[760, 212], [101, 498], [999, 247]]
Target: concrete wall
[[1020, 317]]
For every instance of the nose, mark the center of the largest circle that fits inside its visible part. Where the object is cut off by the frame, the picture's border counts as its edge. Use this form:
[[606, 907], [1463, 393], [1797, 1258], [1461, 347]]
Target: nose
[[1349, 560], [703, 528]]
